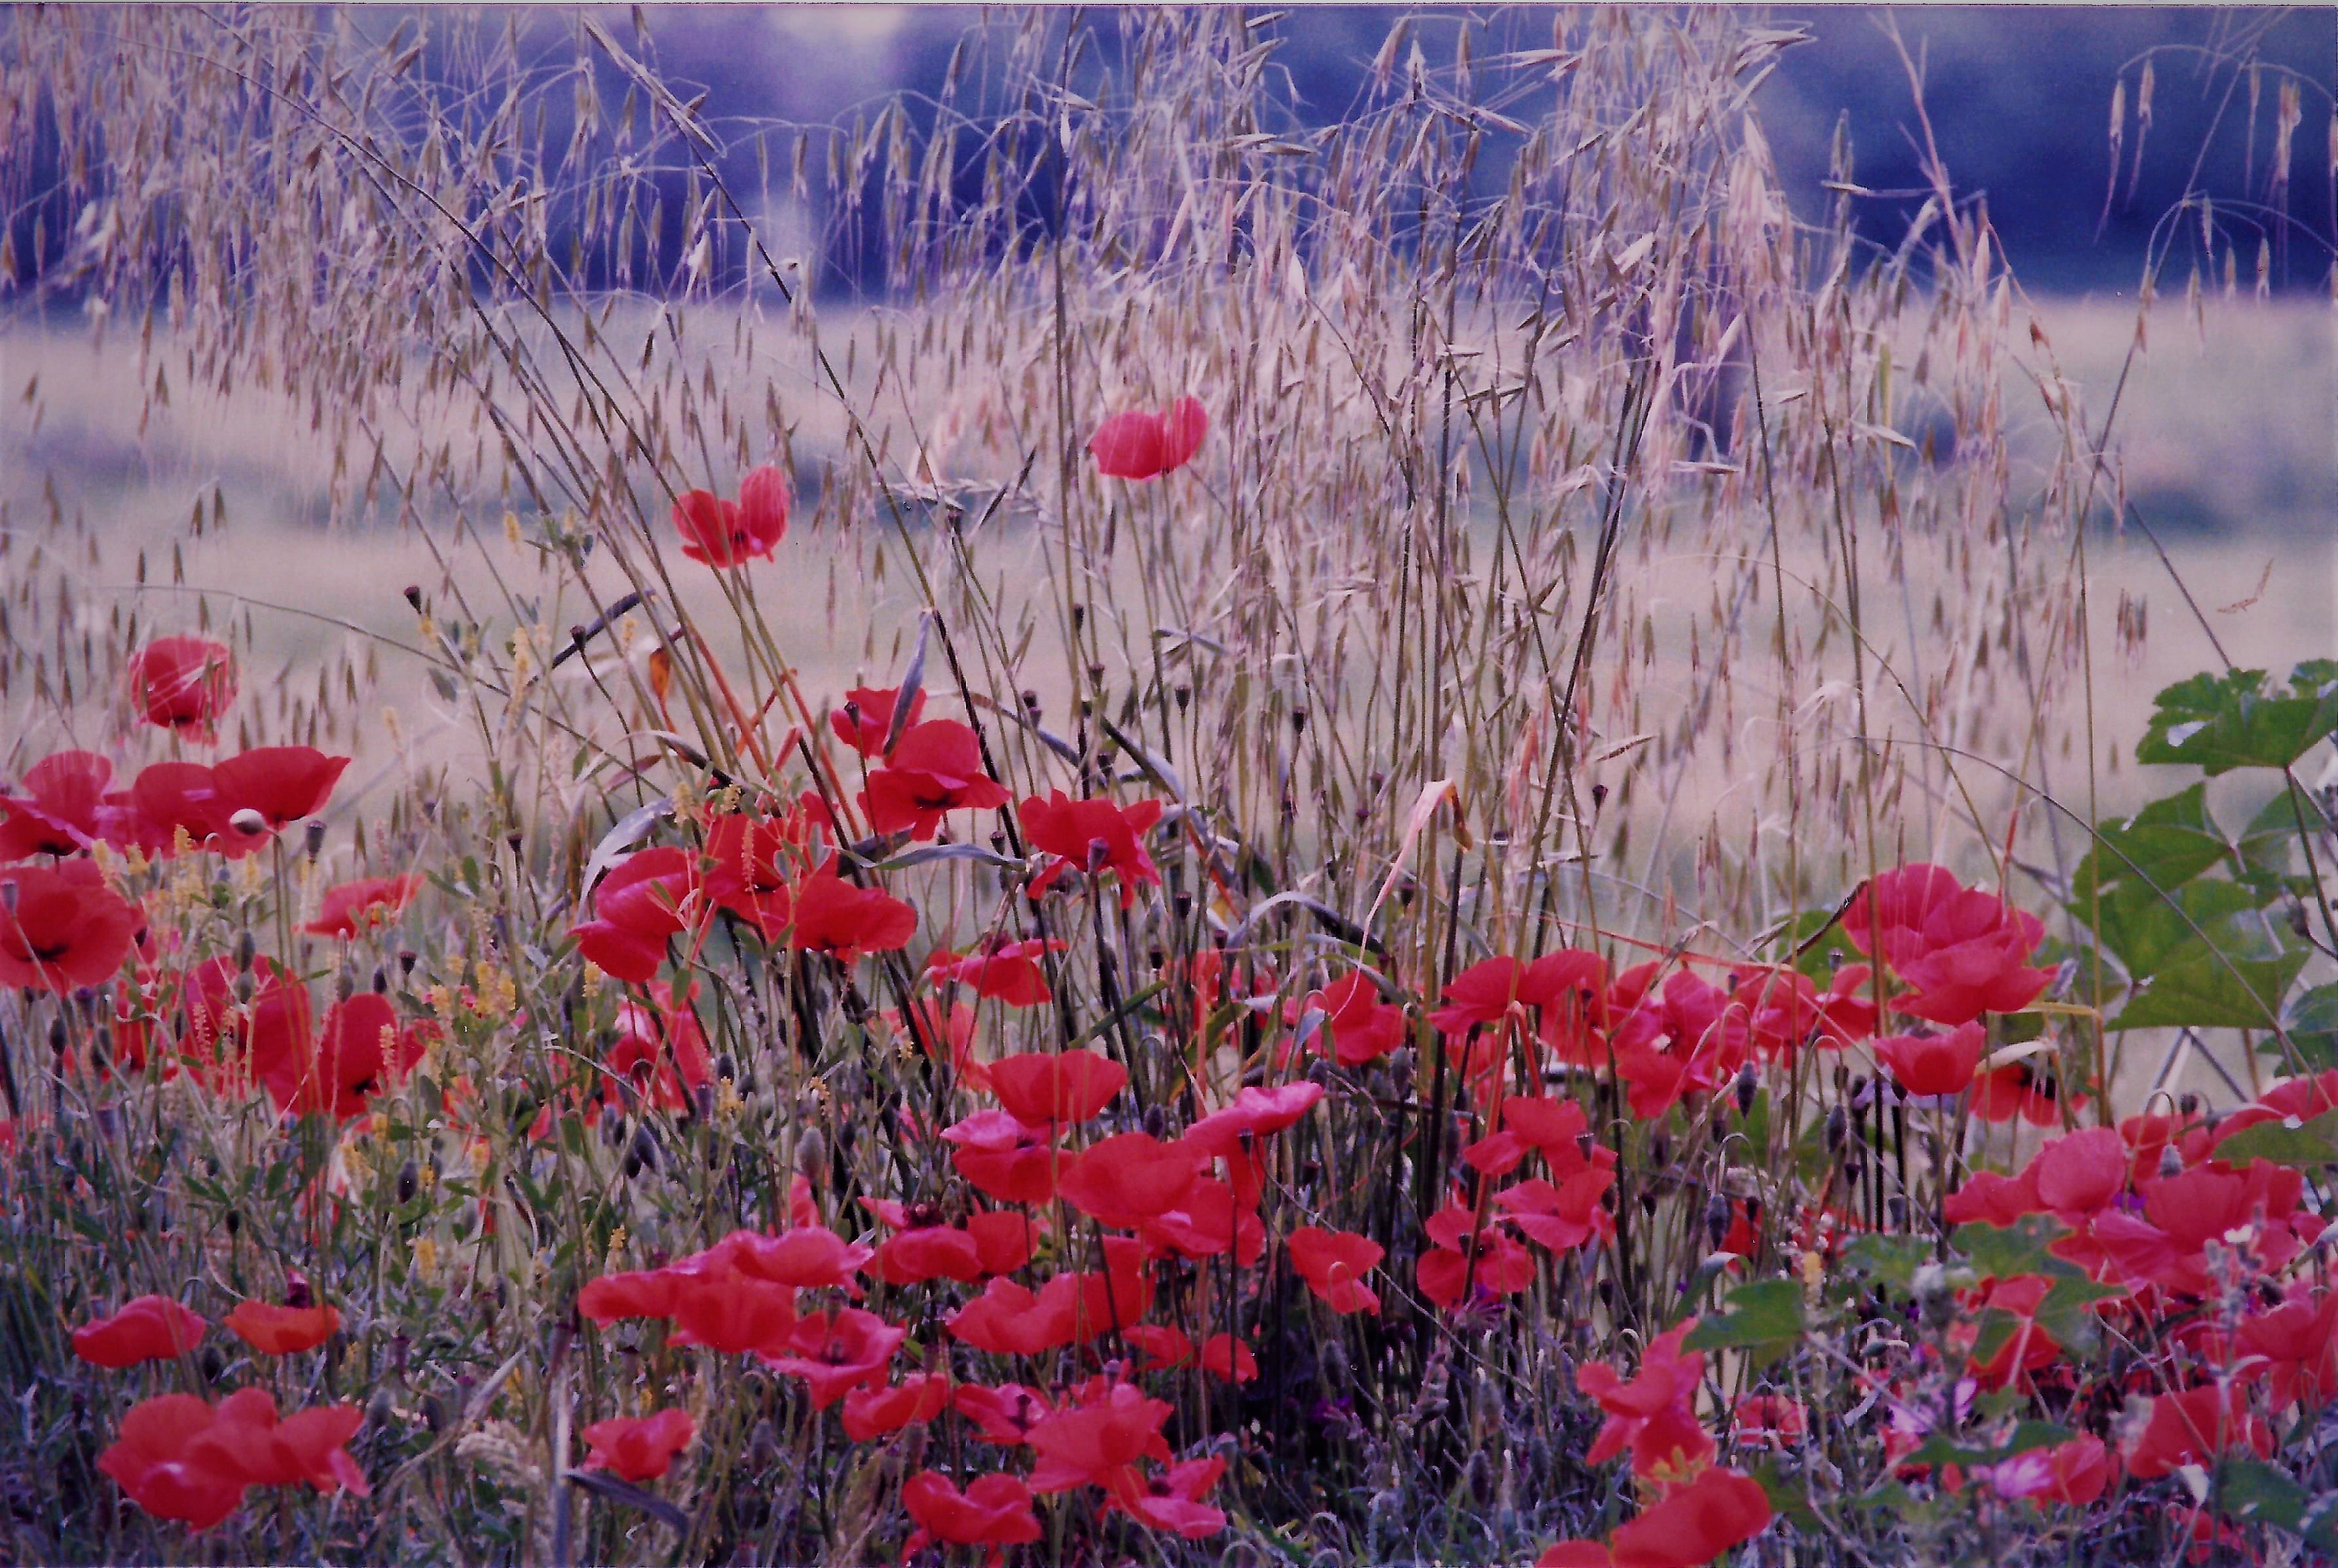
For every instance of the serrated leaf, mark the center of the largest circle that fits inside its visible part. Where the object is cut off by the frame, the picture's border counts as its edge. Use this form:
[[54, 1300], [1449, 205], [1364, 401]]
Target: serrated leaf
[[2219, 722], [2289, 1141], [2011, 1251], [2233, 980], [1763, 1319], [2165, 845], [2313, 1026], [2251, 1492]]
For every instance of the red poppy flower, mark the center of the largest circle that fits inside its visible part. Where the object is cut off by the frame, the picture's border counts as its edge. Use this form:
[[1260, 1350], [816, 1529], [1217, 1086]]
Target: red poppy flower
[[1776, 1421], [149, 1329], [1093, 836], [1784, 1010], [233, 1046], [2073, 1473], [1171, 1500], [936, 767], [2022, 1345], [1994, 1200], [283, 784], [353, 908], [1125, 1180], [1000, 970], [1695, 1524], [734, 1316], [635, 1293], [834, 917], [1334, 1263], [1528, 1124], [1256, 1114], [867, 717], [1003, 1157], [1225, 1357], [1485, 1262], [639, 1447], [1090, 1443], [2018, 1089], [176, 804], [636, 909], [61, 810], [1047, 1089], [1361, 1028], [874, 1412], [1210, 1220], [274, 1330], [359, 1053], [1931, 1064], [839, 1351], [1001, 1412], [751, 864], [183, 683], [179, 1457], [61, 928], [2294, 1347], [1479, 995], [1654, 1415], [994, 1510], [2194, 1427], [727, 533], [808, 1258], [1563, 1217], [1964, 950], [2078, 1175], [1141, 445], [1012, 1319], [660, 1054], [994, 1242]]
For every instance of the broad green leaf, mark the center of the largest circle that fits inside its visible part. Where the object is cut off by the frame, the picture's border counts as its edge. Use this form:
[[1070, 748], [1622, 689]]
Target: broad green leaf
[[2289, 1141], [2217, 723], [2235, 980], [2068, 1313], [2251, 1492], [1763, 1319], [2009, 1251], [1892, 1259], [2143, 927], [2165, 845], [2313, 1026]]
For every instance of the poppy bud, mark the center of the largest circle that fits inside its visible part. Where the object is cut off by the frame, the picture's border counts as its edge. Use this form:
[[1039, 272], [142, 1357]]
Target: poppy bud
[[380, 980], [1716, 1217], [643, 1155], [405, 960], [60, 1037], [1837, 1127], [316, 843], [234, 1222], [2170, 1162], [1896, 1210], [812, 1152], [248, 820], [213, 1364], [380, 1408], [247, 952], [345, 985], [1748, 1086], [1660, 1150], [414, 597], [410, 1177], [295, 1289], [243, 988], [1156, 1122], [1647, 1200], [2188, 1104]]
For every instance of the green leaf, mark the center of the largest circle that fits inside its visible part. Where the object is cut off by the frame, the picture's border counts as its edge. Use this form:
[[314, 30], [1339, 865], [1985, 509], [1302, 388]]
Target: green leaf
[[1764, 1320], [2289, 1141], [2233, 980], [2145, 927], [1789, 1495], [2067, 1313], [2165, 845], [2313, 1026], [1892, 1259], [2011, 1251], [2217, 723], [2251, 1492]]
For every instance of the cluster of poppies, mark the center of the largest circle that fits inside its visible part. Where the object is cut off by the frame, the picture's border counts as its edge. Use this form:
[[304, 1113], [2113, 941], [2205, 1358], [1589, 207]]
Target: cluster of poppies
[[182, 1457]]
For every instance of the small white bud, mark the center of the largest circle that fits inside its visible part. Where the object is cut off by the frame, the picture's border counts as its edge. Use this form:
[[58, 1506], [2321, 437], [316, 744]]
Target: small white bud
[[248, 820]]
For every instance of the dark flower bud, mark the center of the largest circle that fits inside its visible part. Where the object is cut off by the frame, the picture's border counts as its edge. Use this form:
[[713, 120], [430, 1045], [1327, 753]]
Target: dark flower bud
[[1748, 1086], [1716, 1218], [409, 1178]]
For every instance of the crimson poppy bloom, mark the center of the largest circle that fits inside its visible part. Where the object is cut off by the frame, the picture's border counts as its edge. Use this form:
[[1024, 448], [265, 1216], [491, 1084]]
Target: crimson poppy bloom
[[1046, 1089], [174, 804], [1562, 1217], [1255, 1115], [845, 921], [274, 1330], [1654, 1415], [1334, 1263], [1005, 1157], [180, 1457], [836, 1352], [149, 1329], [727, 533], [866, 716], [1361, 1028], [62, 927], [1225, 1357], [1171, 1500], [2294, 1347], [1479, 995], [874, 1412], [660, 1054], [61, 810], [1529, 1124], [994, 1510], [1012, 1319], [1093, 1440], [734, 1315], [182, 683], [351, 908], [1485, 1262], [1093, 836], [639, 1447], [808, 1258], [1000, 970], [1001, 1412], [2194, 1427], [1934, 1064], [1141, 446], [1213, 1219], [1695, 1524], [283, 784], [936, 767], [992, 1241], [636, 909], [752, 862], [2078, 1174], [1965, 951], [358, 1053], [1124, 1180], [2018, 1089]]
